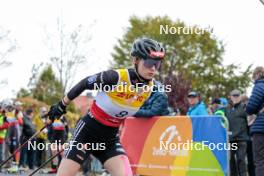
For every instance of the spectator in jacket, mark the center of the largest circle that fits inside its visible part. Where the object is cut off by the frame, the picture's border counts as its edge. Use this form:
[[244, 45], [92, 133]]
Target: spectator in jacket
[[237, 117], [18, 112], [3, 127], [197, 107], [28, 130], [250, 160], [255, 106], [40, 121], [218, 109], [156, 105], [59, 133], [13, 133]]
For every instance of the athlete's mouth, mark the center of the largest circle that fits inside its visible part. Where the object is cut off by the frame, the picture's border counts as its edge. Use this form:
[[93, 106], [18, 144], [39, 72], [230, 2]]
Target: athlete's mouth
[[151, 74]]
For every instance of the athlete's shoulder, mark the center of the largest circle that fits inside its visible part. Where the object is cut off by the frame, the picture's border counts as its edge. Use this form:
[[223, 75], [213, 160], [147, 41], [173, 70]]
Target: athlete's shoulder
[[132, 73], [123, 70], [111, 72], [131, 70], [109, 77]]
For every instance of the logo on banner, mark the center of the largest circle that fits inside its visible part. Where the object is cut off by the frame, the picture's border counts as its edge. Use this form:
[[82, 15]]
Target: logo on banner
[[172, 133], [169, 139]]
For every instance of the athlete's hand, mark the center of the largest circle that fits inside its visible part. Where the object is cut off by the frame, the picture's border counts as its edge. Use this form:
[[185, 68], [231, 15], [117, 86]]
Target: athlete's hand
[[56, 111]]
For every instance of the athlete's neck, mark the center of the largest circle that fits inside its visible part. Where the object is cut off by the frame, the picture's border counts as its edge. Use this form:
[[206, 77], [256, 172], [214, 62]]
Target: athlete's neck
[[141, 79]]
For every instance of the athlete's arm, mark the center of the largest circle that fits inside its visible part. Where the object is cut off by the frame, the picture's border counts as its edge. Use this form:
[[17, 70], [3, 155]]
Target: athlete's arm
[[157, 107], [109, 77]]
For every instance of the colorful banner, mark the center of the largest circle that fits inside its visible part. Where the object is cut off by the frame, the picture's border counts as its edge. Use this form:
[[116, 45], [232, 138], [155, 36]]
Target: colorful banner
[[169, 145]]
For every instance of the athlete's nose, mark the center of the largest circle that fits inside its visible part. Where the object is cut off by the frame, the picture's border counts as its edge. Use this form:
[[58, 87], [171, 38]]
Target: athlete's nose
[[153, 68]]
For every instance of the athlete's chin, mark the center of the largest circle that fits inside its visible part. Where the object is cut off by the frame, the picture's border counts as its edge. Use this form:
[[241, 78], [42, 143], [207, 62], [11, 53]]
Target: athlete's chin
[[149, 77]]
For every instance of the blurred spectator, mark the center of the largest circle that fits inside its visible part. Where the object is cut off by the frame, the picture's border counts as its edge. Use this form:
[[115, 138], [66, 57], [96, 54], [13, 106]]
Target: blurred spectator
[[244, 99], [250, 120], [171, 111], [40, 121], [255, 106], [19, 112], [28, 131], [197, 107], [156, 105], [218, 109], [13, 132], [3, 126], [224, 102], [237, 118], [59, 133], [174, 111]]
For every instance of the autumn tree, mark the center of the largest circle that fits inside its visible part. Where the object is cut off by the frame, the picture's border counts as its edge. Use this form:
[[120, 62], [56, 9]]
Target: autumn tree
[[47, 88], [196, 57]]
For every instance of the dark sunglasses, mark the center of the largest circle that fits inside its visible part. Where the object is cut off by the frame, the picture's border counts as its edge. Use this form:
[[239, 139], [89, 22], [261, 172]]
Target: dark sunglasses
[[235, 95], [191, 96], [149, 63]]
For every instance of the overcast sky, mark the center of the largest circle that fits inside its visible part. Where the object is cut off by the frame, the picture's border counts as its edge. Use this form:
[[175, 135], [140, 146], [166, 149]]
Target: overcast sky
[[240, 24]]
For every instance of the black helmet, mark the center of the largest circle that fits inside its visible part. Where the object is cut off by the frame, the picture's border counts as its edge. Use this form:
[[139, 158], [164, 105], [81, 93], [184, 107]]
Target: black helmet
[[145, 48]]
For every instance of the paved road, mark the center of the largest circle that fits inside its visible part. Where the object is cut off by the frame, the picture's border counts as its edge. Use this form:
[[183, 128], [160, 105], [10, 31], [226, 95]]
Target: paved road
[[38, 174], [25, 173]]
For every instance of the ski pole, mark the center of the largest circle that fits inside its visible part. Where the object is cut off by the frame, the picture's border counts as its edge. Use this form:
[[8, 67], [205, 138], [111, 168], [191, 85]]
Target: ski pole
[[51, 158]]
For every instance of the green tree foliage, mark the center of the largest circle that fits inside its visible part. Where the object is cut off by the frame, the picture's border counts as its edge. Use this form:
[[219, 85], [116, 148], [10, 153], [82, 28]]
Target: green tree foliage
[[23, 93], [47, 88], [195, 57]]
